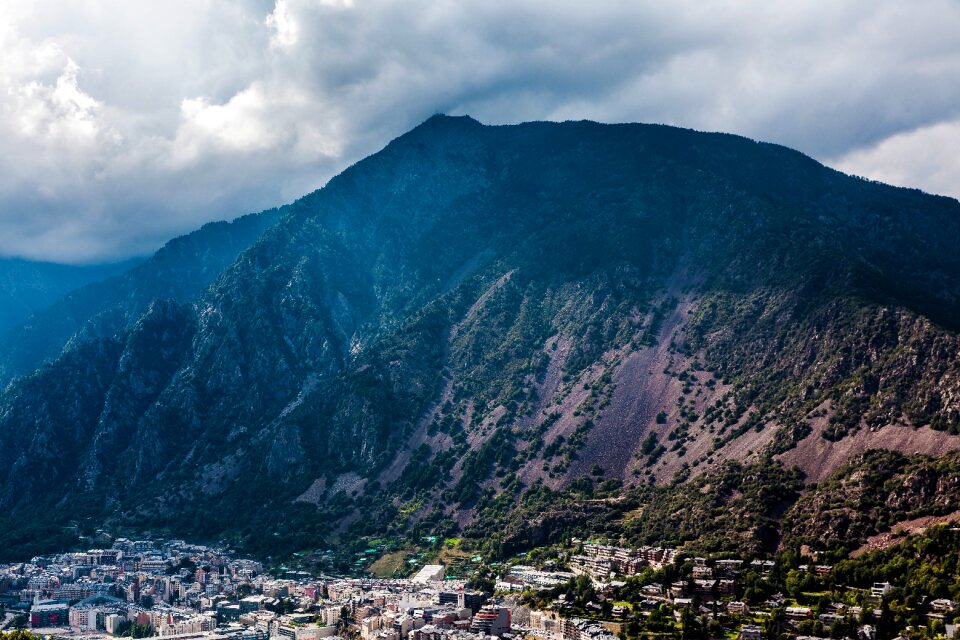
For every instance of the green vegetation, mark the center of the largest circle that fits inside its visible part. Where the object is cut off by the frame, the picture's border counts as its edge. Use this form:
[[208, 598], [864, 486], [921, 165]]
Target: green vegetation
[[871, 494], [391, 565], [18, 634], [128, 629], [734, 509], [923, 571]]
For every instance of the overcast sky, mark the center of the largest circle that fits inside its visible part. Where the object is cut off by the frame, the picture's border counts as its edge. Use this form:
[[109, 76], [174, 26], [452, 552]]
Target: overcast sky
[[126, 122]]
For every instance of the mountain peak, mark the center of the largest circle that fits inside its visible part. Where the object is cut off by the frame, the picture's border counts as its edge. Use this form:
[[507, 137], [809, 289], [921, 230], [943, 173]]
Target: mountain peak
[[442, 121], [443, 118]]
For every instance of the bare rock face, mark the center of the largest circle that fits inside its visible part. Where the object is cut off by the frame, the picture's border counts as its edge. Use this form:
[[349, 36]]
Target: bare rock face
[[475, 312]]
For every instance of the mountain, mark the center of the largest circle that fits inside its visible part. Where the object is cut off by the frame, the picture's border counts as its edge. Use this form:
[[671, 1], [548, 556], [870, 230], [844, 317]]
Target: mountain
[[479, 324], [26, 286], [178, 271]]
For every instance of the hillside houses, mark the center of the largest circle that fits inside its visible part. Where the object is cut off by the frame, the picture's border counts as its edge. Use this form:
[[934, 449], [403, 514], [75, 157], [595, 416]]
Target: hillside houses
[[603, 562]]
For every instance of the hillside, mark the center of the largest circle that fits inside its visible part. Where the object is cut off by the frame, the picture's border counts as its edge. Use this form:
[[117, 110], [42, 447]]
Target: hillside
[[476, 314]]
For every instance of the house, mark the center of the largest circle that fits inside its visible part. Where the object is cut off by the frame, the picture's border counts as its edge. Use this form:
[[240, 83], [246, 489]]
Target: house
[[704, 587], [750, 632], [880, 588], [729, 566], [491, 620], [797, 614], [702, 571], [942, 605], [726, 586], [763, 566], [430, 573], [775, 600]]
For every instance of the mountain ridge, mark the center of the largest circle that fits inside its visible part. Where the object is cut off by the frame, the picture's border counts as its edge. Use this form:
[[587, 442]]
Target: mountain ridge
[[27, 286], [180, 269]]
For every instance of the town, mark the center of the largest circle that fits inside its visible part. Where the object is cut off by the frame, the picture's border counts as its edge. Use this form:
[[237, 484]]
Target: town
[[578, 591]]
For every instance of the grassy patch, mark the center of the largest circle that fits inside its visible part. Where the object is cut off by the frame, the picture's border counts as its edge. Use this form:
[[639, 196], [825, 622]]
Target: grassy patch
[[391, 565]]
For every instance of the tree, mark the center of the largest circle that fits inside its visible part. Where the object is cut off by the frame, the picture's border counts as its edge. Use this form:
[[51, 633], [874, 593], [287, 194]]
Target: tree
[[19, 634], [691, 627], [793, 583], [774, 623], [886, 625]]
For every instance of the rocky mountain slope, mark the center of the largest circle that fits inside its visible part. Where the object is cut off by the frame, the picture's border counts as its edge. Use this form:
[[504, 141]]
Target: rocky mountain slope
[[476, 316]]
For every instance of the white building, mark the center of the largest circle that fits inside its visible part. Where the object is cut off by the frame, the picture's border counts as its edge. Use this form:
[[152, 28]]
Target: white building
[[430, 573]]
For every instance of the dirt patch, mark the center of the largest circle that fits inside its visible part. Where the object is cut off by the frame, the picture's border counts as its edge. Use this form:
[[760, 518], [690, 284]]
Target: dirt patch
[[818, 457], [642, 391], [901, 529], [349, 483], [314, 493], [215, 477], [743, 448], [561, 398], [648, 382]]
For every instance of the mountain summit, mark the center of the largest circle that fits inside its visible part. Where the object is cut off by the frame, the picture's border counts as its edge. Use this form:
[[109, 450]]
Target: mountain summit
[[478, 313]]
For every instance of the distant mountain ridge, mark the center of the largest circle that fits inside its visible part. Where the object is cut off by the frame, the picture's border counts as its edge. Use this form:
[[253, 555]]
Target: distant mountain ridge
[[28, 286], [178, 271], [475, 315]]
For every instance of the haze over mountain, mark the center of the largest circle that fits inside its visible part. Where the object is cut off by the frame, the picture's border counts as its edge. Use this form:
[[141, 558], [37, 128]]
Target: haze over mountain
[[27, 286], [178, 271], [477, 317]]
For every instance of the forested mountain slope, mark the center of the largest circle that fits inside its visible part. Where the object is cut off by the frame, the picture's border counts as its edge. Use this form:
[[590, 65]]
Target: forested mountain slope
[[477, 313]]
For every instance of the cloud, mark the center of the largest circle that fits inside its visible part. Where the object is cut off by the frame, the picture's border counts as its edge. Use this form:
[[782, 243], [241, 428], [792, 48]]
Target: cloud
[[926, 156], [124, 124], [285, 28], [241, 125]]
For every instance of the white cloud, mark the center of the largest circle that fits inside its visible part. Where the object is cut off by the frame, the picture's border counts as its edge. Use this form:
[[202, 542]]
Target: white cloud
[[927, 158], [242, 124], [122, 124], [285, 28], [43, 100]]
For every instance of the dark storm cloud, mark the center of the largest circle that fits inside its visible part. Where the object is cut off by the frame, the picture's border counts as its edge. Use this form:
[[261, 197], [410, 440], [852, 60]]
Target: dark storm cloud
[[122, 124]]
